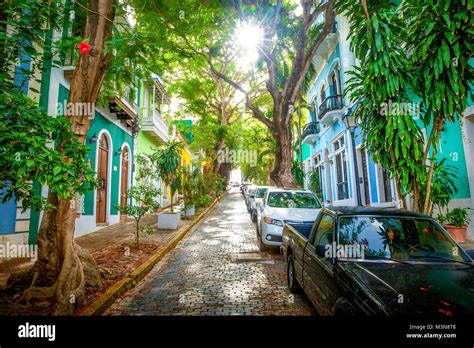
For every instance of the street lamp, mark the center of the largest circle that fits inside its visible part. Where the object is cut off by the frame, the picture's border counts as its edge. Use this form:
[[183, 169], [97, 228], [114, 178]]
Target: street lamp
[[350, 123], [93, 139]]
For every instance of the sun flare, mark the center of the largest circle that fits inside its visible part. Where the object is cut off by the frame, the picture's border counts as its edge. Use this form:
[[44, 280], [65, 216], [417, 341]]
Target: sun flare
[[248, 38]]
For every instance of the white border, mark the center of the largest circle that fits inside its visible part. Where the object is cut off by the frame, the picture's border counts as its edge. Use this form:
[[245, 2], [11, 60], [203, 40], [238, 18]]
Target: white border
[[380, 203], [130, 163]]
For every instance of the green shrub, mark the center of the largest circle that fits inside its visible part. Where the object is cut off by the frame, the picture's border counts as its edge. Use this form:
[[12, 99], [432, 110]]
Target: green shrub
[[457, 217], [213, 183], [315, 184], [145, 200]]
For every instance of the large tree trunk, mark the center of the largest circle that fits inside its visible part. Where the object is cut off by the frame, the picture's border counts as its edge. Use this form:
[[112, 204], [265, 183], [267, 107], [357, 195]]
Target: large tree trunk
[[281, 174], [224, 172], [217, 164], [63, 269], [284, 98]]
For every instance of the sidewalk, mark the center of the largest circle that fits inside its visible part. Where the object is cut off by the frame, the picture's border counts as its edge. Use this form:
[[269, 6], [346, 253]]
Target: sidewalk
[[114, 249]]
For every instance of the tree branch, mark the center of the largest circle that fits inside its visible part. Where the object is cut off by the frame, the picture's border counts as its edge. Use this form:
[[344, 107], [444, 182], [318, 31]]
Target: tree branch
[[258, 114], [269, 57], [299, 72], [235, 120]]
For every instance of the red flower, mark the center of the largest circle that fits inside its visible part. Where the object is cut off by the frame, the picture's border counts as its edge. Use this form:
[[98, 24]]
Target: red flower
[[390, 234], [448, 313], [84, 47]]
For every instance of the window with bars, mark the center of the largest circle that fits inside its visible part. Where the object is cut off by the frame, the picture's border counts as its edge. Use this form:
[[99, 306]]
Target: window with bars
[[340, 163], [317, 176]]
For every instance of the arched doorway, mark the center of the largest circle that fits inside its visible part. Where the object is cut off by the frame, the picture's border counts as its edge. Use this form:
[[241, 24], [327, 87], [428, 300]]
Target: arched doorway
[[102, 176], [125, 169], [322, 93], [335, 85]]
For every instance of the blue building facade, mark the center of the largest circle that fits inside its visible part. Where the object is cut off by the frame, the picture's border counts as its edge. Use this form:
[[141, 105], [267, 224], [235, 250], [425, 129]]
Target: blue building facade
[[331, 147], [15, 224]]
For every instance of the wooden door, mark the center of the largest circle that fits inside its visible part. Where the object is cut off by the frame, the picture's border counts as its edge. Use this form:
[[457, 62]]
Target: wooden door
[[124, 175], [102, 175]]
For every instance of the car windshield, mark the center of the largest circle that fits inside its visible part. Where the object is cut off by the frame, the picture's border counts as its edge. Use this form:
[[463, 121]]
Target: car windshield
[[293, 200], [399, 238], [259, 193]]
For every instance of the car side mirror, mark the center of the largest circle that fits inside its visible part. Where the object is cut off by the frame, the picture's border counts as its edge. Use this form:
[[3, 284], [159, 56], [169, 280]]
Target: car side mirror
[[320, 250]]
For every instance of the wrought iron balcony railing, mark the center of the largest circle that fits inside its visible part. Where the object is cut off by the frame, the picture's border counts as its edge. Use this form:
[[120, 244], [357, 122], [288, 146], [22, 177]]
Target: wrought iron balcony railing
[[310, 129], [331, 103]]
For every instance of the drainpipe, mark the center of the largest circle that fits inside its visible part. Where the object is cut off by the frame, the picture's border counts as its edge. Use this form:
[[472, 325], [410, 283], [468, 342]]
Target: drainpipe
[[356, 169]]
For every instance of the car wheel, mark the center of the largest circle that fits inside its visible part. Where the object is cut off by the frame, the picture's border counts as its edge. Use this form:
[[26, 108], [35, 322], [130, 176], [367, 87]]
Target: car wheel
[[254, 216], [293, 285], [262, 246]]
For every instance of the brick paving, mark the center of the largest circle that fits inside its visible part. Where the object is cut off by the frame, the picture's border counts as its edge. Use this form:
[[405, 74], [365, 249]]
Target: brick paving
[[216, 269], [113, 248]]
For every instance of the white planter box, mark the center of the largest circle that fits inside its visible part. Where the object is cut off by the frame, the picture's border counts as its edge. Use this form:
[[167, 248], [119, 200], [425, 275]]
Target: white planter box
[[168, 221], [190, 211]]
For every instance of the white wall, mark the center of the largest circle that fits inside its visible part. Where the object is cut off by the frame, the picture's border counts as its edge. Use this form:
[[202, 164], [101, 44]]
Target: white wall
[[236, 175]]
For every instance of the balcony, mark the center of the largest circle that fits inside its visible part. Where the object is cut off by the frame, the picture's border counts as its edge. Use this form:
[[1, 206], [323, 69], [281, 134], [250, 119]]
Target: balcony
[[69, 61], [124, 108], [310, 133], [330, 109], [154, 125], [327, 47]]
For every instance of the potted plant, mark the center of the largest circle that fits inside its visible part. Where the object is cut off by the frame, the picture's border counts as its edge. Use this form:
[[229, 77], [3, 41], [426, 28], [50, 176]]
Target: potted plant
[[456, 222], [167, 160]]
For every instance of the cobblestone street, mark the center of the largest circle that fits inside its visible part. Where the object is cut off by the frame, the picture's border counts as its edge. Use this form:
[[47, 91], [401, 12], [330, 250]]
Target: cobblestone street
[[216, 270]]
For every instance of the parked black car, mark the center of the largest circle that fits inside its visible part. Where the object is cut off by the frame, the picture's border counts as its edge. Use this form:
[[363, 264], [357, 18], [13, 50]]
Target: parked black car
[[371, 261]]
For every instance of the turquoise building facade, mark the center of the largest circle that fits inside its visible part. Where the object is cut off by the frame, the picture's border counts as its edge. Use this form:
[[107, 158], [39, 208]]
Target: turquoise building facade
[[331, 151]]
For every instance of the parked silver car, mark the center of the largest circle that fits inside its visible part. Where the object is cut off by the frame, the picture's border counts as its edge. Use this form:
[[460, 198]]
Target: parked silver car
[[257, 199], [249, 194], [284, 206]]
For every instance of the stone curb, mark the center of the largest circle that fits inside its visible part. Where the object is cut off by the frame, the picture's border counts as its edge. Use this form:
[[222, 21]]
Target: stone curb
[[101, 304]]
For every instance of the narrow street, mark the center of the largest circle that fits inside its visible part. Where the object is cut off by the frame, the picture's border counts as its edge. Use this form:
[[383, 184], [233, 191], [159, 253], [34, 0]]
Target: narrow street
[[216, 269]]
